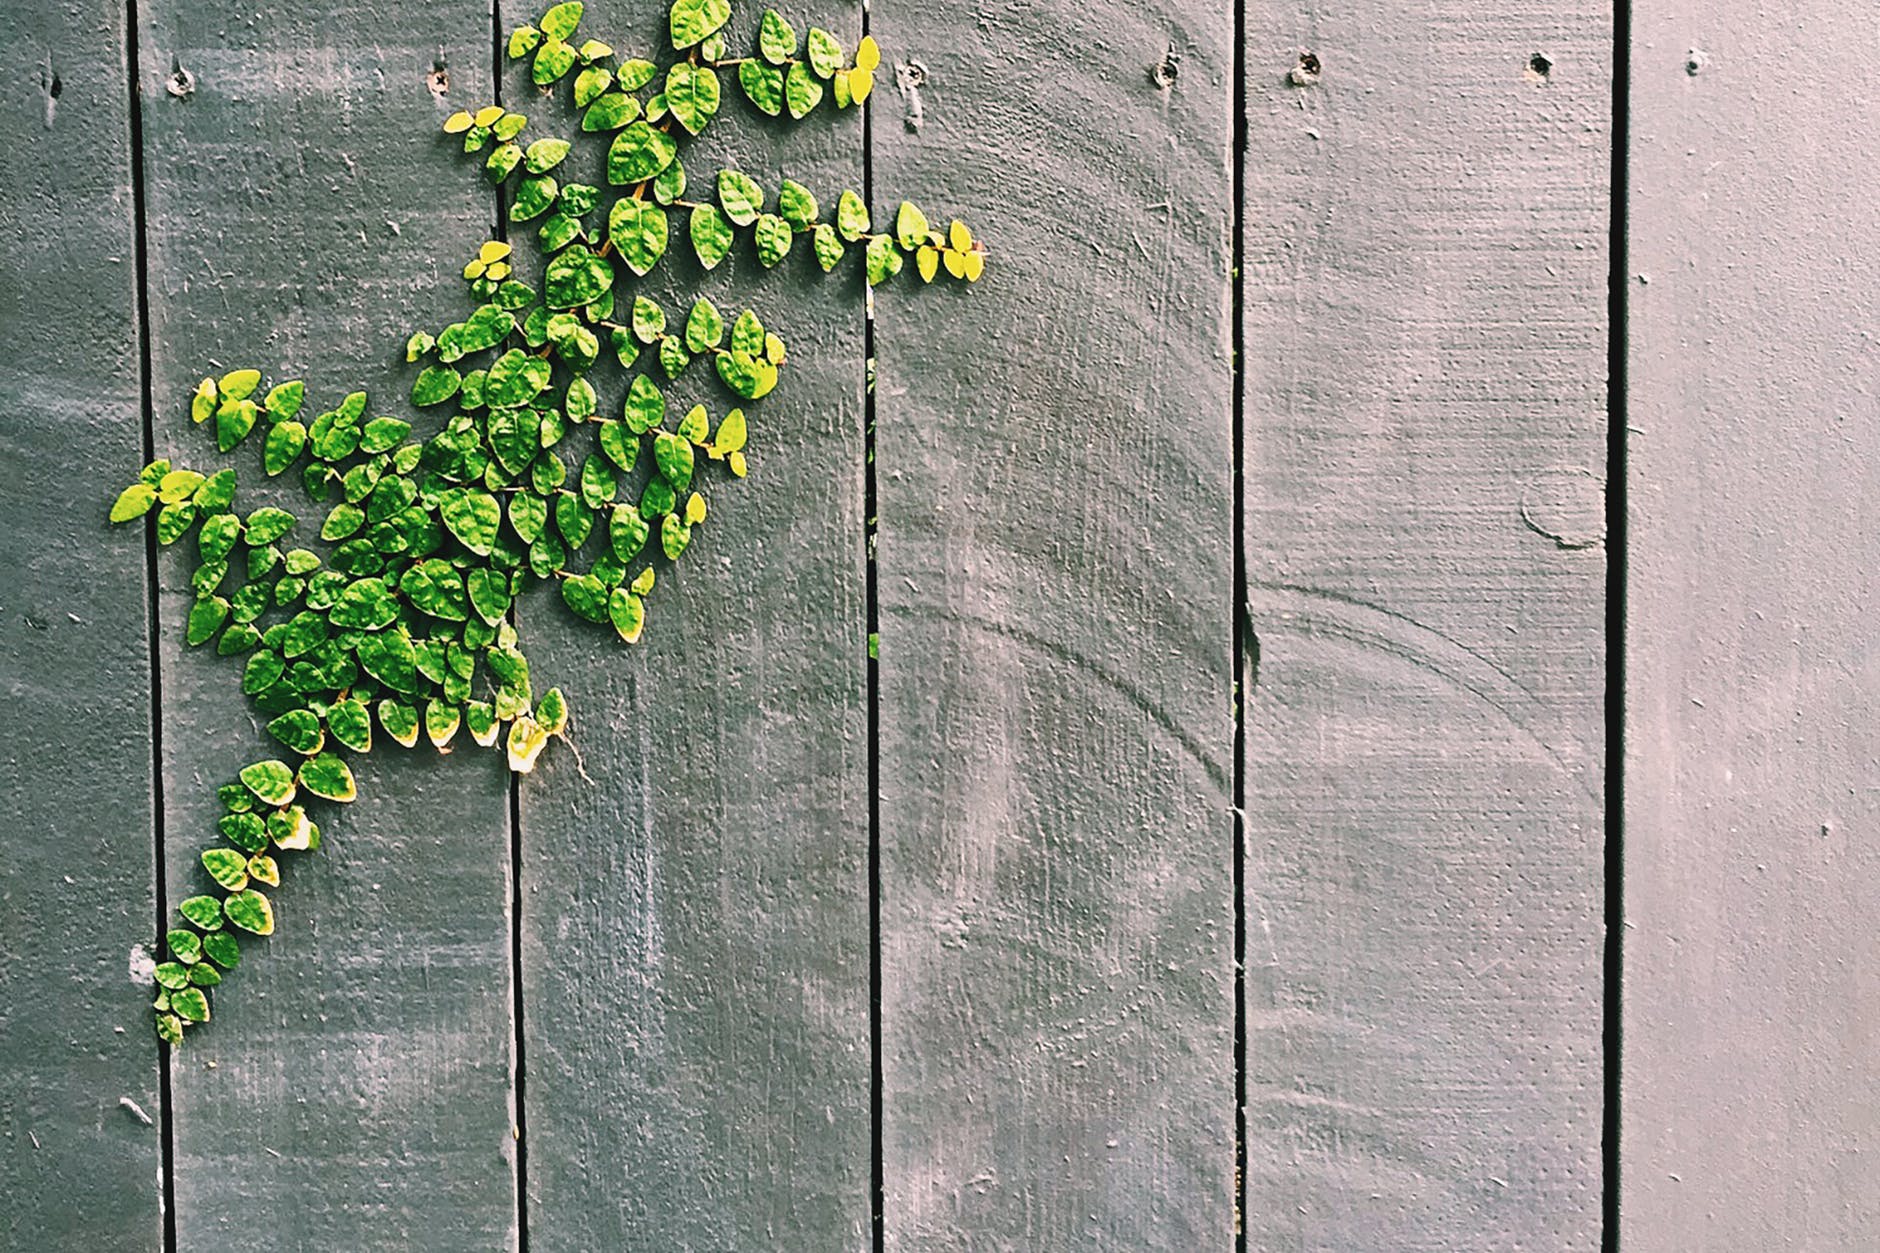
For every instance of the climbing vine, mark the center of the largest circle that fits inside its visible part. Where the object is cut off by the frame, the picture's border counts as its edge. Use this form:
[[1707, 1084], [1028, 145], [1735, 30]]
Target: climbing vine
[[399, 625]]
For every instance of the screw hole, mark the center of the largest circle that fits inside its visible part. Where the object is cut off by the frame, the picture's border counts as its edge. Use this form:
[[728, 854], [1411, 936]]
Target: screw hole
[[1540, 65]]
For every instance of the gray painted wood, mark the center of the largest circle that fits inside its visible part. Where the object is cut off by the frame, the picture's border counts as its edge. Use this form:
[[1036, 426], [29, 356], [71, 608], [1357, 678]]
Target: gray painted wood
[[1054, 468], [305, 214], [695, 885], [79, 888], [1751, 1102], [1425, 335]]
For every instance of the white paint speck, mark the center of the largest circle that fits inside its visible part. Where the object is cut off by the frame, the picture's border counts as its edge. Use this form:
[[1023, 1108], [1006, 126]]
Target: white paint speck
[[143, 965]]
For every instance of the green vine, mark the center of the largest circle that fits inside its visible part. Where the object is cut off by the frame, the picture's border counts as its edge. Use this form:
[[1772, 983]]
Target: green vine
[[403, 628]]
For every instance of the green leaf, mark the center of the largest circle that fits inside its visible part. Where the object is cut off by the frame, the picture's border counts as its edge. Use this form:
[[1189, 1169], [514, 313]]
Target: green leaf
[[327, 777], [748, 376], [283, 446], [638, 153], [711, 235], [673, 357], [238, 384], [638, 230], [267, 524], [516, 379], [227, 867], [271, 781], [590, 83], [801, 92], [825, 53], [290, 829], [222, 948], [910, 226], [233, 421], [283, 400], [553, 59], [367, 605], [190, 1005], [670, 185], [489, 595], [587, 596], [215, 492], [626, 532], [250, 911], [674, 535], [351, 725], [299, 729], [851, 217], [610, 111], [776, 41], [178, 485], [574, 277], [434, 385], [527, 515], [598, 483], [656, 498], [134, 502], [692, 20], [441, 721], [533, 198], [523, 41], [435, 588], [245, 831], [773, 236], [740, 195], [400, 722], [884, 259], [673, 456], [628, 614], [763, 84], [174, 974], [560, 21], [185, 945], [390, 658], [796, 205], [544, 155], [645, 406], [694, 426], [502, 161], [692, 95], [265, 869], [202, 404], [827, 246], [704, 326]]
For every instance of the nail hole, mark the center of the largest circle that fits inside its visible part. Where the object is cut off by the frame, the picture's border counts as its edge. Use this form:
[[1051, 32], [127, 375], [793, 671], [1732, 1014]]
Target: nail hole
[[1164, 72], [1540, 65], [56, 89], [1306, 72]]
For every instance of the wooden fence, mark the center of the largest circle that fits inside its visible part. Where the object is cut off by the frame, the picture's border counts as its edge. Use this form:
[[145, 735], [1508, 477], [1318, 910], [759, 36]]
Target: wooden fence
[[1480, 516]]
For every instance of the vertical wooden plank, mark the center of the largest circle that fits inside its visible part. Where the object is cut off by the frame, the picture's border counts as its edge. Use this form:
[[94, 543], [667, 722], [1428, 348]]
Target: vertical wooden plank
[[305, 215], [77, 900], [1425, 335], [695, 887], [1751, 1100], [1055, 596]]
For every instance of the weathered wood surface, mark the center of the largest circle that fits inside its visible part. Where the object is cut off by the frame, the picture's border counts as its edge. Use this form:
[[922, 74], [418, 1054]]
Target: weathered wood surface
[[1055, 591], [77, 894], [303, 216], [1425, 336], [1751, 1095], [695, 942]]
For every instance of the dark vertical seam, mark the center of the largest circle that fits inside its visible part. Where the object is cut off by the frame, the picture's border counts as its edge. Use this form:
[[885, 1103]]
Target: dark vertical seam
[[877, 1160], [517, 1036], [1616, 543], [132, 56], [1242, 635]]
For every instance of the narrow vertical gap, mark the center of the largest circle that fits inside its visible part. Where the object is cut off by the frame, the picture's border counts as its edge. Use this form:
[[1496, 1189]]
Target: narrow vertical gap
[[1616, 542], [133, 56], [877, 1163], [1241, 634], [518, 1042]]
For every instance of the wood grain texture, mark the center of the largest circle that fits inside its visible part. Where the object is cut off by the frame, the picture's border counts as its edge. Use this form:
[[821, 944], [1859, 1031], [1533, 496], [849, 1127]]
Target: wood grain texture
[[1751, 1100], [695, 885], [78, 892], [1425, 334], [305, 214], [1055, 590]]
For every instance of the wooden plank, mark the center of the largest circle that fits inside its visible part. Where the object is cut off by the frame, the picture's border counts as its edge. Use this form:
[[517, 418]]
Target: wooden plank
[[305, 215], [1424, 347], [1055, 596], [1751, 1102], [77, 901], [695, 887]]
